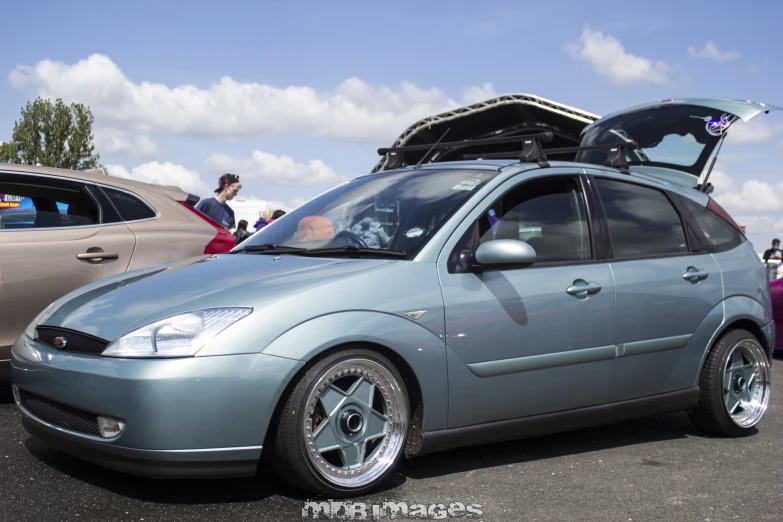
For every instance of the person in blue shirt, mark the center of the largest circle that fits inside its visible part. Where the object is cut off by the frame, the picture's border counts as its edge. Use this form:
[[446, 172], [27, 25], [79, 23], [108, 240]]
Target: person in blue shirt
[[216, 207]]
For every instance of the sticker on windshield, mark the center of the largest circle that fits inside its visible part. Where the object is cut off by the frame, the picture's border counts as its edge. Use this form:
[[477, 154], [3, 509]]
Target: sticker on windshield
[[718, 127], [414, 232], [467, 184]]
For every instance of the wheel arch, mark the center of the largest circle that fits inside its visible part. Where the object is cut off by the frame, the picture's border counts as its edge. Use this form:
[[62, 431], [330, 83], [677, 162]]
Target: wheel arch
[[740, 312], [417, 353]]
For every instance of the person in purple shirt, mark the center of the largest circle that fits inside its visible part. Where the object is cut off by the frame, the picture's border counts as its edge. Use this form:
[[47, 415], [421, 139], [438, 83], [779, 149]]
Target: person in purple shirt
[[493, 221], [216, 208]]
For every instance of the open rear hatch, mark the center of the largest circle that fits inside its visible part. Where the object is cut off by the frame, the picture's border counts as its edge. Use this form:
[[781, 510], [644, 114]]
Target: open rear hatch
[[678, 139]]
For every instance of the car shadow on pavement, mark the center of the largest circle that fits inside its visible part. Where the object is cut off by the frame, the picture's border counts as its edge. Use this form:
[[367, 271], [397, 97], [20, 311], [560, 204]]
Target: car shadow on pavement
[[265, 484], [644, 430], [268, 484], [6, 395]]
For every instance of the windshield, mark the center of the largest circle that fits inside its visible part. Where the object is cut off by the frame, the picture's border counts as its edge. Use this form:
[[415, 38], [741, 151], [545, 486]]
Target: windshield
[[396, 210], [676, 135]]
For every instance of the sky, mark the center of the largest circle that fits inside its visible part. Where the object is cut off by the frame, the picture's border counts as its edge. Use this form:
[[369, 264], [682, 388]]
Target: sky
[[296, 97]]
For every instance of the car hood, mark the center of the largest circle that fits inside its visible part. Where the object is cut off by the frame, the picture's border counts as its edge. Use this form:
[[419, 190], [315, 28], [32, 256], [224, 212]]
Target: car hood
[[112, 307]]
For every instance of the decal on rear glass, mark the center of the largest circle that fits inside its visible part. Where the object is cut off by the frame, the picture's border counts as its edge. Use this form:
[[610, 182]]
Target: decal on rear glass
[[718, 127]]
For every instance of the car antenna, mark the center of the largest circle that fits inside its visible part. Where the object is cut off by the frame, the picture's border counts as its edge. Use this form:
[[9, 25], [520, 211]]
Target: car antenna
[[433, 146]]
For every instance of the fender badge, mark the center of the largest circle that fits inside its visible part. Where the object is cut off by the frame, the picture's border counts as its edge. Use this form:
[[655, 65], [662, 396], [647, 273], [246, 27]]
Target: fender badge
[[60, 342], [416, 314]]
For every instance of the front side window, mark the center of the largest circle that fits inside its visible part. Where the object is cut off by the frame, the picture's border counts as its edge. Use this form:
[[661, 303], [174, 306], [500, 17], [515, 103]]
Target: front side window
[[396, 210], [38, 203], [549, 214], [642, 221]]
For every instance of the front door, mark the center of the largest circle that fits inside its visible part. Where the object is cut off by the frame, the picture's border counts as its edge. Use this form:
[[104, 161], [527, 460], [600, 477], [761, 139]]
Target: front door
[[665, 291], [55, 246], [532, 340]]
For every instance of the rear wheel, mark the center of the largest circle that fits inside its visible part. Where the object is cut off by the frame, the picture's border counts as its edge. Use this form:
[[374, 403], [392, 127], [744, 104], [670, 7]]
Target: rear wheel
[[735, 386], [343, 426]]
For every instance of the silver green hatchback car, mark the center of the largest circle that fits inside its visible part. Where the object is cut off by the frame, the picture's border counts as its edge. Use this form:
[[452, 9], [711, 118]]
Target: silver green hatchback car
[[425, 307]]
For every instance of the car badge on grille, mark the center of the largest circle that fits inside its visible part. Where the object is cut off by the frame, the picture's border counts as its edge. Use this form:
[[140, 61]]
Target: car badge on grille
[[60, 342]]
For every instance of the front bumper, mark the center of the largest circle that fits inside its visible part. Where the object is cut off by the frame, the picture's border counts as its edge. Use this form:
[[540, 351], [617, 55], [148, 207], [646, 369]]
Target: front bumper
[[190, 417]]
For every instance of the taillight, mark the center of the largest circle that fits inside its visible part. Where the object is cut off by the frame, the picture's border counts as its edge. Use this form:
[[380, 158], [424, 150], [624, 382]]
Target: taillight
[[223, 240], [717, 209]]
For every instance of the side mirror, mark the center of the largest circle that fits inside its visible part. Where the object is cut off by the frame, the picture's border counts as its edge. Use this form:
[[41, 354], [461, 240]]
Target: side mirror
[[504, 253]]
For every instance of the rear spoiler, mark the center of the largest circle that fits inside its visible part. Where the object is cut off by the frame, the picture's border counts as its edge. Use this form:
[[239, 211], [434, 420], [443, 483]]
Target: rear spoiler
[[192, 199]]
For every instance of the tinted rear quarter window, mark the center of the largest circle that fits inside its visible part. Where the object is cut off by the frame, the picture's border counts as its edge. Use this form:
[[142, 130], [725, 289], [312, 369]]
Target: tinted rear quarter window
[[130, 207], [642, 221], [712, 230]]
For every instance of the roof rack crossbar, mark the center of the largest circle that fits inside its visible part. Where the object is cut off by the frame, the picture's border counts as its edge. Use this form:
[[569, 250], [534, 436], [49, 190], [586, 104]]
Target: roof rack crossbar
[[616, 156]]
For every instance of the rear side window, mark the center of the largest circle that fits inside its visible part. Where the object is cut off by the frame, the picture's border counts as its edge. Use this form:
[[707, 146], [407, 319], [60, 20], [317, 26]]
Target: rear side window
[[130, 207], [711, 229], [642, 221]]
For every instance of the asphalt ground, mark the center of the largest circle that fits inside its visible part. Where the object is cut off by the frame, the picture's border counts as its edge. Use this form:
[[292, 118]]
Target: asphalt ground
[[655, 468]]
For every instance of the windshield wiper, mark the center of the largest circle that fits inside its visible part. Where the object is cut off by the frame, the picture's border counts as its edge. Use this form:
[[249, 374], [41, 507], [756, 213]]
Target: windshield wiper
[[350, 249], [271, 248]]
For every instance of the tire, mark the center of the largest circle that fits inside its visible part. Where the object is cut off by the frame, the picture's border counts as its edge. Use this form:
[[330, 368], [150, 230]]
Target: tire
[[735, 386], [343, 426]]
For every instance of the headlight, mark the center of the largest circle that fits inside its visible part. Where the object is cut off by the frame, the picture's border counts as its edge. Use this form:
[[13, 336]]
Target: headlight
[[40, 318], [179, 336]]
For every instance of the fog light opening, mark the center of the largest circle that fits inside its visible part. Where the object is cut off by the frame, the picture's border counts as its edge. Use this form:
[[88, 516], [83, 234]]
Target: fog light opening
[[109, 427]]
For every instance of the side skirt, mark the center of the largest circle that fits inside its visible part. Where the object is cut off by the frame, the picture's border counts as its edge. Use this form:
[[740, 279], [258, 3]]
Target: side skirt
[[556, 422]]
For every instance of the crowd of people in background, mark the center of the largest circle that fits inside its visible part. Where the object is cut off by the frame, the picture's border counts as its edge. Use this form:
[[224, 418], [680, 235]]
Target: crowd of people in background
[[217, 209]]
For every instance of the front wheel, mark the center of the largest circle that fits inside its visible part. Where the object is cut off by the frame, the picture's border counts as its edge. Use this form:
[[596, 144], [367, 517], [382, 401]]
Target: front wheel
[[735, 386], [343, 426]]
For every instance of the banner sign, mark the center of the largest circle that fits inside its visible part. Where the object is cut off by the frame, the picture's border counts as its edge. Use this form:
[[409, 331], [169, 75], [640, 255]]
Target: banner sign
[[9, 201]]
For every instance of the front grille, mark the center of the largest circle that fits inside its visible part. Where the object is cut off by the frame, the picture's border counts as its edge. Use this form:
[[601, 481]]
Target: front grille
[[60, 415], [75, 342]]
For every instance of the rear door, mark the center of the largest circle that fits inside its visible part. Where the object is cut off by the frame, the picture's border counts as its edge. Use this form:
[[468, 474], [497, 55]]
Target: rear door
[[665, 289], [527, 341], [68, 241]]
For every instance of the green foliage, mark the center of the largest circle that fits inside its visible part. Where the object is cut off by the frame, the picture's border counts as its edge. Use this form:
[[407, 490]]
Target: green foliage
[[54, 135]]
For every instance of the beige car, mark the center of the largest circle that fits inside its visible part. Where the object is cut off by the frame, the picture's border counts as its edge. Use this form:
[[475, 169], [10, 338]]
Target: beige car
[[79, 227]]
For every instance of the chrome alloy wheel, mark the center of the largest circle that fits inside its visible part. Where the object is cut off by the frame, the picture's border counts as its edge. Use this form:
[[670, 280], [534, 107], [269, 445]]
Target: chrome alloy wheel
[[356, 422], [746, 383]]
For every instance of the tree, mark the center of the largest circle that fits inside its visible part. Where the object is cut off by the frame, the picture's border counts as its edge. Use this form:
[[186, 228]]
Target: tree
[[54, 135]]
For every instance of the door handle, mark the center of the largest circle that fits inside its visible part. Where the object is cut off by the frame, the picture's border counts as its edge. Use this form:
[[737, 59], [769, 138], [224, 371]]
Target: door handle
[[97, 255], [582, 288], [694, 275]]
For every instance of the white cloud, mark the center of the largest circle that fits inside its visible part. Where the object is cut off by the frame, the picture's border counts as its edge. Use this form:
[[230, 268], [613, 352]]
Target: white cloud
[[280, 170], [164, 174], [712, 52], [354, 111], [476, 93], [755, 203], [109, 140], [757, 130], [607, 57], [751, 196]]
